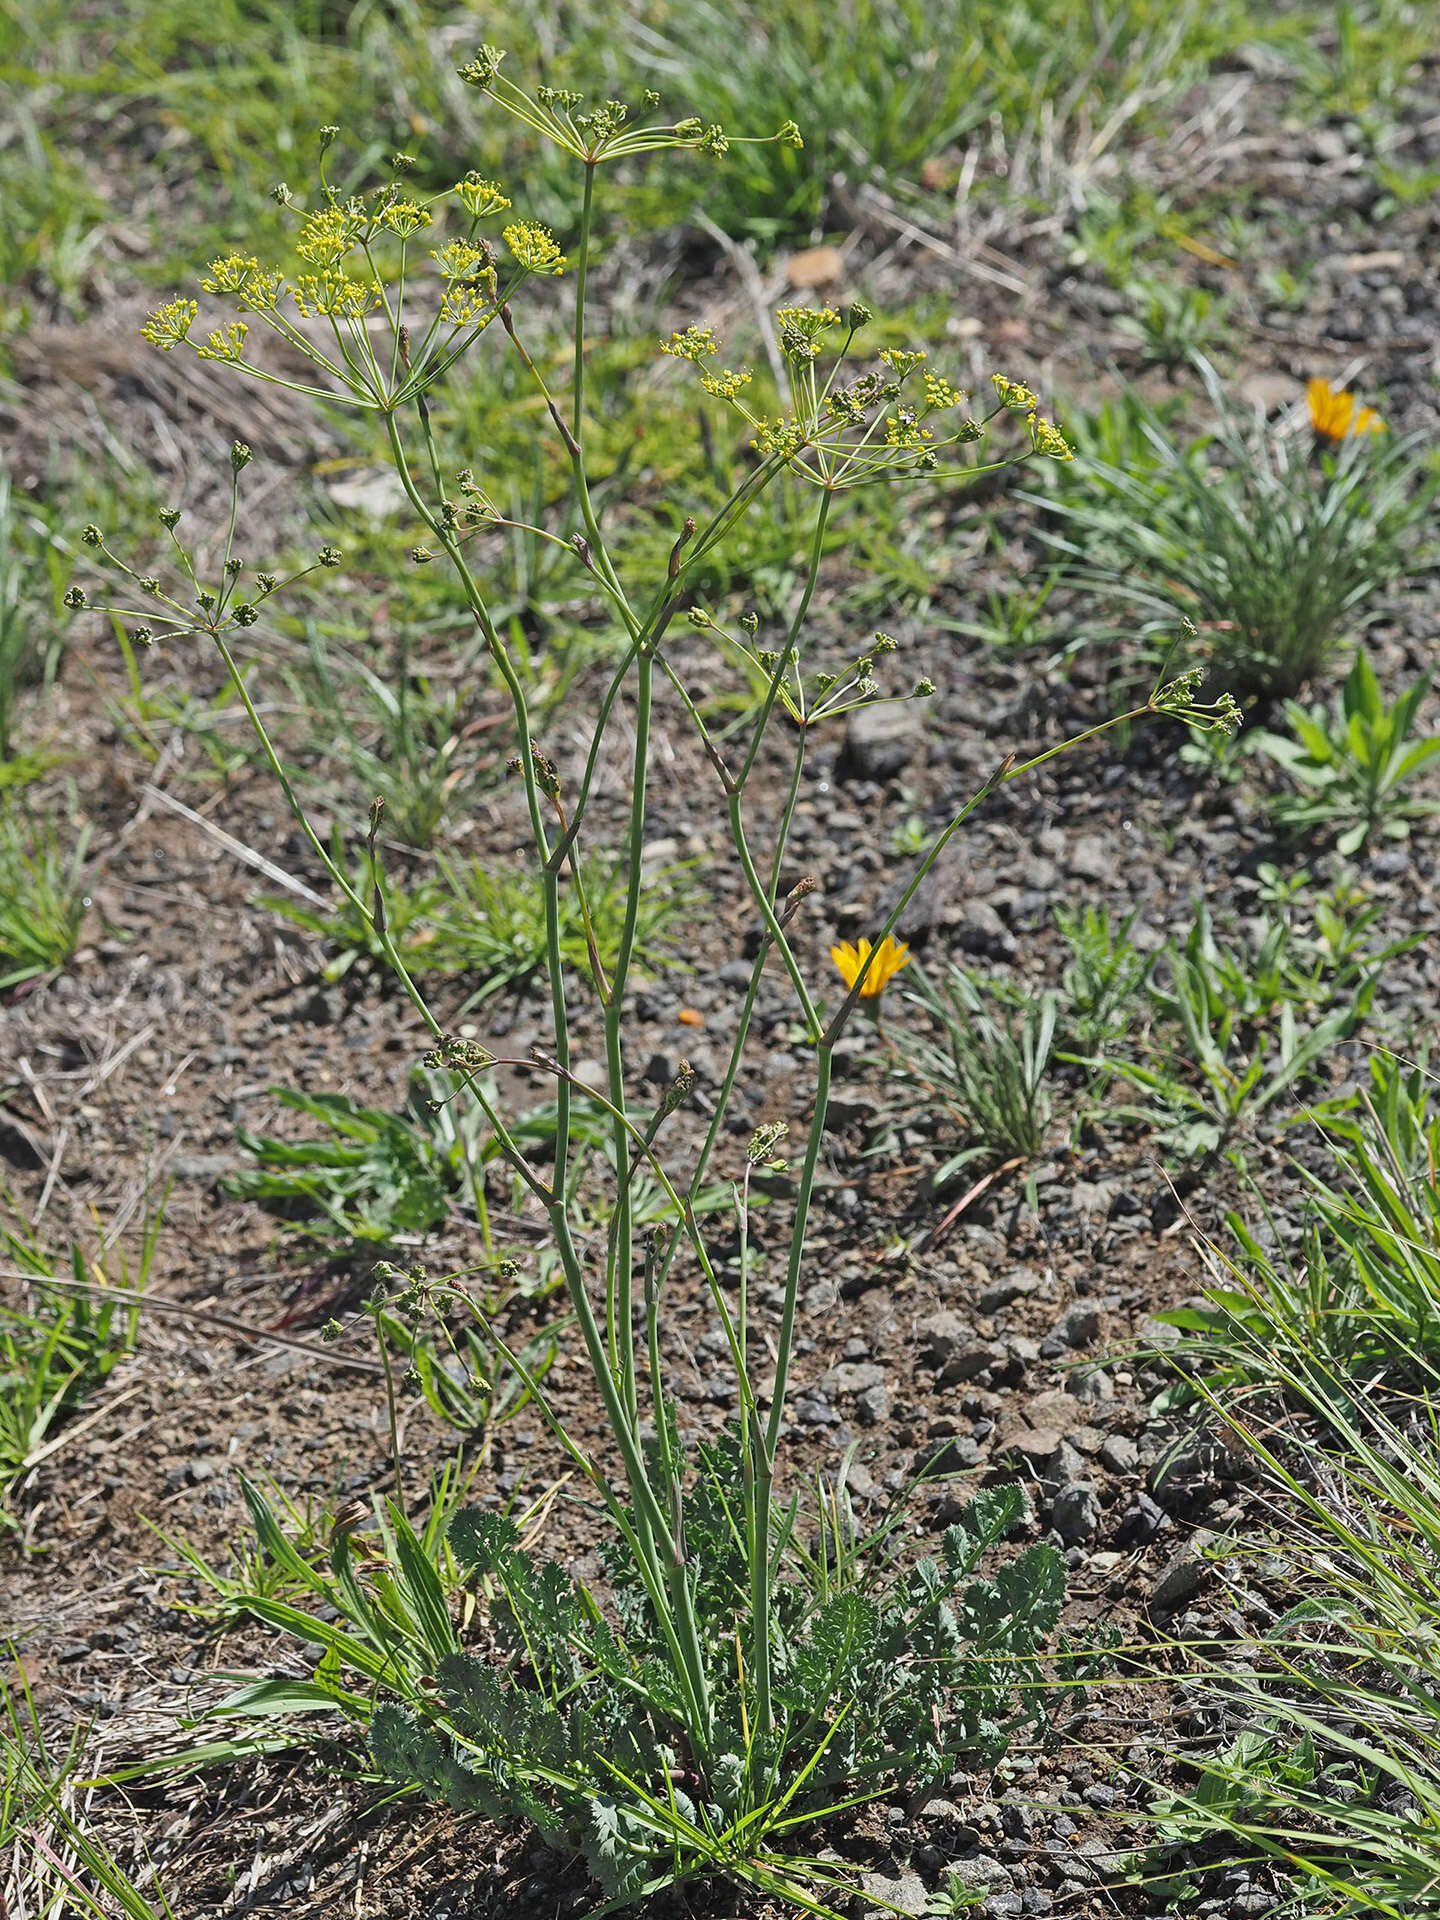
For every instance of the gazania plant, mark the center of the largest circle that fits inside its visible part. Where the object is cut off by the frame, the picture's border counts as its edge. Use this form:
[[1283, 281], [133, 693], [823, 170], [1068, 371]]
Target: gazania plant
[[739, 1676]]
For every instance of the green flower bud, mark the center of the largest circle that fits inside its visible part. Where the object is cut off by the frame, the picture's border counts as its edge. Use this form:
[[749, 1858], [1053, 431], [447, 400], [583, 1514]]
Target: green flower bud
[[75, 597], [240, 456], [169, 518], [92, 536]]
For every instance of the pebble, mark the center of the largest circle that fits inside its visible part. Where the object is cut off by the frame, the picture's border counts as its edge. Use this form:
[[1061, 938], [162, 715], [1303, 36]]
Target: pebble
[[872, 1407], [880, 740], [908, 1894], [1185, 1573], [1119, 1454], [1076, 1512], [852, 1377], [982, 1873], [1141, 1520], [1090, 858], [1078, 1325]]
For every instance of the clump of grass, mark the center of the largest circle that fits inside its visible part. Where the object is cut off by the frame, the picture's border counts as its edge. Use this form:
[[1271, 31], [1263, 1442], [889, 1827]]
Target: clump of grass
[[985, 1061], [42, 898], [1325, 1762], [1272, 551], [60, 1337], [30, 643]]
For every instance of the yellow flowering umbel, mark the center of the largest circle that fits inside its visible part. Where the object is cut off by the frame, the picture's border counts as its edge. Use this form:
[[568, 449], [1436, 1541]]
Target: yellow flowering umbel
[[480, 197], [890, 957], [534, 247], [170, 324], [1335, 415]]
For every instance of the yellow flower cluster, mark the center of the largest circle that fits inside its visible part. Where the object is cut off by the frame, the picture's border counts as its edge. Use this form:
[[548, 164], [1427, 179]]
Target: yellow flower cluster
[[939, 393], [170, 324], [802, 330], [785, 437], [257, 289], [695, 343], [459, 260], [335, 295], [725, 384], [480, 197], [228, 345], [1045, 436], [534, 247], [464, 305], [405, 217], [327, 236]]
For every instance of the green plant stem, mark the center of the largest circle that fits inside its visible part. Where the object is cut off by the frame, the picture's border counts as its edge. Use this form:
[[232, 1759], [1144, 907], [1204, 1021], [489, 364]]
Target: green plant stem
[[621, 1289], [549, 879]]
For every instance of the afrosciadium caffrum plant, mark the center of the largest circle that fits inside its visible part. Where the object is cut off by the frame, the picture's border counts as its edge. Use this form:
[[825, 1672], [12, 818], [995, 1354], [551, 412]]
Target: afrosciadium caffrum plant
[[729, 1684]]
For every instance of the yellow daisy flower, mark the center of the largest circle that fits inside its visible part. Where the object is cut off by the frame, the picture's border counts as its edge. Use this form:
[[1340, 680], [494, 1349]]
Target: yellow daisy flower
[[890, 957], [1335, 415]]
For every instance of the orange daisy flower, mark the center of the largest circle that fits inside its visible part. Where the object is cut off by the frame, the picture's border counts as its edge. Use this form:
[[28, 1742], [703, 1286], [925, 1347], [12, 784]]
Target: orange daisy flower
[[1335, 416], [890, 957]]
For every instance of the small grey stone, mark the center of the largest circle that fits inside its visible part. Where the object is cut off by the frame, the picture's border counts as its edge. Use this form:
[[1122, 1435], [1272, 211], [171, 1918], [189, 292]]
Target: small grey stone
[[1120, 1454], [854, 1377], [1158, 1335], [1141, 1520], [735, 973], [1185, 1573], [908, 1893], [872, 1407], [982, 1873], [1036, 1443], [1089, 858], [1078, 1325], [1001, 1293], [814, 1410], [941, 1335], [1092, 1383], [941, 1813], [952, 1455], [1076, 1513], [981, 930], [880, 739]]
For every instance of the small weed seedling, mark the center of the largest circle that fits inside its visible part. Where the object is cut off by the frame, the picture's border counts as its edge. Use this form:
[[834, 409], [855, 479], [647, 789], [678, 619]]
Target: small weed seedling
[[1173, 324], [369, 1178], [1239, 1028], [1351, 766]]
